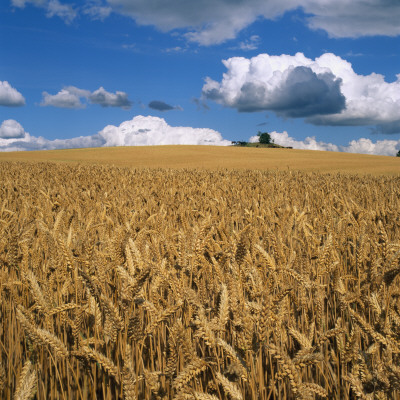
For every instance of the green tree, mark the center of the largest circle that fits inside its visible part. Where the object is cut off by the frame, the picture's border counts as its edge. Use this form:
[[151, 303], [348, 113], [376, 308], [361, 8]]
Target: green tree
[[265, 138], [398, 154]]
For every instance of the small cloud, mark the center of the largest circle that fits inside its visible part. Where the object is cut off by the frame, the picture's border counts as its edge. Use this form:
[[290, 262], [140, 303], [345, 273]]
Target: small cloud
[[65, 11], [352, 54], [254, 139], [73, 97], [107, 99], [65, 98], [161, 106], [250, 44], [131, 46], [200, 103], [177, 49], [10, 97], [96, 11], [11, 129], [53, 8]]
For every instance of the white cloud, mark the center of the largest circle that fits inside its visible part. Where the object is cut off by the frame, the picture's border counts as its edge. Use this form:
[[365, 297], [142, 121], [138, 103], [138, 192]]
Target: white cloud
[[250, 44], [362, 145], [309, 143], [9, 96], [326, 91], [206, 21], [65, 98], [254, 139], [64, 11], [96, 10], [53, 8], [140, 131], [148, 131], [366, 146], [73, 97], [11, 129], [22, 3], [214, 21]]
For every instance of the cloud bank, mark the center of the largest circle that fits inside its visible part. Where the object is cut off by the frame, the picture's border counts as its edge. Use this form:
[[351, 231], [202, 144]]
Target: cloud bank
[[149, 131], [361, 146], [214, 21], [10, 97], [325, 91], [73, 97], [140, 131]]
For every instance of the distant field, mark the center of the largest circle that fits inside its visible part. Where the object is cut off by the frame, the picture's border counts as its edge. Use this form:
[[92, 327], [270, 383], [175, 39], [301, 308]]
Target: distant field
[[210, 157]]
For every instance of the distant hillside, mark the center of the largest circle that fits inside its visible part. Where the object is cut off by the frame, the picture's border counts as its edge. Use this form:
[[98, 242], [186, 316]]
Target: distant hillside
[[259, 145], [215, 157]]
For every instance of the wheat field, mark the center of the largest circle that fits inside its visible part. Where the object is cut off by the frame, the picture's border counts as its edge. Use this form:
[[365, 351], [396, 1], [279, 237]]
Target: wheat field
[[216, 157], [124, 283]]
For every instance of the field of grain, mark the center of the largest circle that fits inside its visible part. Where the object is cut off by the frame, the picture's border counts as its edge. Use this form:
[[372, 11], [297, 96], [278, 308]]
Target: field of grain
[[124, 283], [214, 157]]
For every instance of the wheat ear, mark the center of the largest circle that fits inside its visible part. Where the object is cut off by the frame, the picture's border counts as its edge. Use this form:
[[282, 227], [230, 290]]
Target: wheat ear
[[190, 372], [27, 382], [229, 387], [102, 360], [128, 375], [42, 336]]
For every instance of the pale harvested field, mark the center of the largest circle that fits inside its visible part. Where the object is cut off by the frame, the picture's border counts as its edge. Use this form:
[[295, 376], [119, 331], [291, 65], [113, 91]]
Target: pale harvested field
[[212, 157]]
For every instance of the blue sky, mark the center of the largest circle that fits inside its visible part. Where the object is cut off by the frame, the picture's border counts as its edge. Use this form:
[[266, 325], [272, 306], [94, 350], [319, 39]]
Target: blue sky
[[317, 74]]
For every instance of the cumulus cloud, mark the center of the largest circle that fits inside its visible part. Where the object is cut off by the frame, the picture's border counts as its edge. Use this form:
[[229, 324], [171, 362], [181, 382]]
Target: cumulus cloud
[[65, 98], [73, 97], [9, 96], [361, 146], [161, 106], [147, 131], [325, 91], [11, 129], [140, 131], [106, 99]]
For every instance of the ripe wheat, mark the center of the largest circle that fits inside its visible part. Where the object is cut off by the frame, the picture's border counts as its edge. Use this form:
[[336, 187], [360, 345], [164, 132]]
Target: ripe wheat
[[121, 283]]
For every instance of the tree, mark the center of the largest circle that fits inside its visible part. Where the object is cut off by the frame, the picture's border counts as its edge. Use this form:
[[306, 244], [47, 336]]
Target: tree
[[265, 138], [398, 154]]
